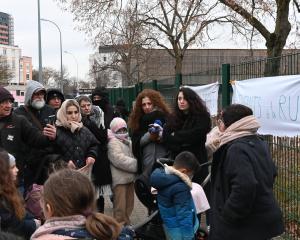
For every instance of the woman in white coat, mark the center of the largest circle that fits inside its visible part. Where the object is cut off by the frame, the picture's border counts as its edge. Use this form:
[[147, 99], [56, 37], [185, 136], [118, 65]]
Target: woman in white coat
[[123, 167]]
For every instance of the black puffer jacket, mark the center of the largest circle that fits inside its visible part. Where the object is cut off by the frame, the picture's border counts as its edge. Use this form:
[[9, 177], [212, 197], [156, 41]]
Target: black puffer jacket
[[76, 146]]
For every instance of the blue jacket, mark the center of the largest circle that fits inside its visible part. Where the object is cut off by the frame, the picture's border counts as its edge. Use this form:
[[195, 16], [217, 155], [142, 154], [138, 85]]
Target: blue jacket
[[175, 203]]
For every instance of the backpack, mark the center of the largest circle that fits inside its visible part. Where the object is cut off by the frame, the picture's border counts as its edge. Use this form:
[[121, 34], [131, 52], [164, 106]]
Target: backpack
[[32, 201]]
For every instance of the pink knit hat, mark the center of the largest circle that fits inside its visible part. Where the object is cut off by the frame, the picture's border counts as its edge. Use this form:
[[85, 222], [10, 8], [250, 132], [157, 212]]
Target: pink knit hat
[[116, 124]]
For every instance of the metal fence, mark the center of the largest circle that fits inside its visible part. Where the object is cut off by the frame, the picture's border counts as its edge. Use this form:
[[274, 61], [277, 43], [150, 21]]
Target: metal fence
[[285, 151]]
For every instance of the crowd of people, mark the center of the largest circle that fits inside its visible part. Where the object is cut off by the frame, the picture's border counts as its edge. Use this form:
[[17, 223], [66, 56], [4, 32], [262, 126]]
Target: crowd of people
[[60, 158]]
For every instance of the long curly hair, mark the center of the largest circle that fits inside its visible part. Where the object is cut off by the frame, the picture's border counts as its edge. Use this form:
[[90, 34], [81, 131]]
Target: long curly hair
[[137, 112], [196, 107], [8, 189]]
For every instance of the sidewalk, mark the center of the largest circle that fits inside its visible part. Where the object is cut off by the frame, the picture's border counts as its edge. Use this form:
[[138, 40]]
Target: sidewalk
[[139, 212]]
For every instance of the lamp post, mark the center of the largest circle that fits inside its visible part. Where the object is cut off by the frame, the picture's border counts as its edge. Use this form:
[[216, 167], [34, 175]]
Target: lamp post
[[40, 45], [60, 43], [76, 66]]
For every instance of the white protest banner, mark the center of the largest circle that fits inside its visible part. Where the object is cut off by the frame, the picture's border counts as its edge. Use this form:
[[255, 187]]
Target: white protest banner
[[274, 101], [209, 94]]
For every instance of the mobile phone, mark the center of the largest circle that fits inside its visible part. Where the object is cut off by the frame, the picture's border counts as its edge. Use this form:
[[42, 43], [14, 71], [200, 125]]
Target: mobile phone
[[51, 120]]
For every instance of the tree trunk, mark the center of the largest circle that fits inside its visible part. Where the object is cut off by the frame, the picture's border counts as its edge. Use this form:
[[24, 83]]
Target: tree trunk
[[277, 40], [178, 69]]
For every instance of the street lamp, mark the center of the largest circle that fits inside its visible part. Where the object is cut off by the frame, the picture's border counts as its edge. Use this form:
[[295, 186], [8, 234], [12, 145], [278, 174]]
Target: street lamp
[[40, 45], [60, 41], [76, 65]]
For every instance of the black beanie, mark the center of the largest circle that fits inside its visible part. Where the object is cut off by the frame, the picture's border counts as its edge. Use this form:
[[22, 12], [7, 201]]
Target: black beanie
[[5, 95], [102, 92], [52, 93]]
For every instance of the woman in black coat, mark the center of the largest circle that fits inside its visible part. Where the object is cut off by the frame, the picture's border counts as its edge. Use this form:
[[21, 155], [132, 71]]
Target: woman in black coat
[[242, 177], [76, 144], [187, 127]]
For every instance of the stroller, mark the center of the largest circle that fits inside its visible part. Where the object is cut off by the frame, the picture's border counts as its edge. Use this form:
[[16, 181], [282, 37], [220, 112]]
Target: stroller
[[152, 227]]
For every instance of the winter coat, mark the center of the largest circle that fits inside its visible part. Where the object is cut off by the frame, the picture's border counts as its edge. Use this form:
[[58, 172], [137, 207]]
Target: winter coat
[[56, 228], [37, 159], [10, 223], [101, 168], [17, 135], [76, 146], [123, 165], [175, 203], [70, 227], [190, 136], [147, 151], [242, 201], [42, 114]]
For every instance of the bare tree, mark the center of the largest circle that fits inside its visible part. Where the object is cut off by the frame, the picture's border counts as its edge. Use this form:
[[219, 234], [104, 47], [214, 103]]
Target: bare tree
[[51, 77], [174, 25], [125, 37], [178, 25], [261, 16], [6, 73]]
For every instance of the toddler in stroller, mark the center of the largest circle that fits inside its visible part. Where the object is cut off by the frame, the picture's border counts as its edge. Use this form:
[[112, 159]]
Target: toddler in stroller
[[173, 201]]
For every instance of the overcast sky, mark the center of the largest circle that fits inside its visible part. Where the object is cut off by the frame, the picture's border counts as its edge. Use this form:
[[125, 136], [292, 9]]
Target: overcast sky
[[25, 16]]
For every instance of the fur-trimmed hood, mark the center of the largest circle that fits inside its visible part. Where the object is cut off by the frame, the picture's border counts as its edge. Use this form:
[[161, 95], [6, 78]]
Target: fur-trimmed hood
[[169, 176]]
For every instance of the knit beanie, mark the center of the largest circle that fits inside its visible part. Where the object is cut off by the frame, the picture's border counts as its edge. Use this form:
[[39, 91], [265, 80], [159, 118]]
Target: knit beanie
[[53, 93], [5, 95], [116, 124], [102, 92], [12, 160]]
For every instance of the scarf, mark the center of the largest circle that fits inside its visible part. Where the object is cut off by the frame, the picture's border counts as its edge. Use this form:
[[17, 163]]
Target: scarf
[[56, 223], [244, 127], [61, 119]]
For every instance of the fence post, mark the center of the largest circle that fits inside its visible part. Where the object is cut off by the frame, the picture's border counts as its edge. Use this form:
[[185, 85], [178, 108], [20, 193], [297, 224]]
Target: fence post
[[141, 86], [225, 85], [178, 80], [154, 85]]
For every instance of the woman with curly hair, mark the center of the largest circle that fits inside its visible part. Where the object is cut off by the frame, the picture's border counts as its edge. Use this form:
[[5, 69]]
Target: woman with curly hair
[[187, 127], [145, 123], [13, 216]]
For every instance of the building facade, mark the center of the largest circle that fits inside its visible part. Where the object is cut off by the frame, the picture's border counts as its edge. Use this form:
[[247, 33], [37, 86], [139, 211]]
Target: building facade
[[104, 59], [25, 69], [12, 55], [159, 65], [6, 29]]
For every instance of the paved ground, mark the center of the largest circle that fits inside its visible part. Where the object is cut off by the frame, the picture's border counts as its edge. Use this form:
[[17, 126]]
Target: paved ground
[[139, 213]]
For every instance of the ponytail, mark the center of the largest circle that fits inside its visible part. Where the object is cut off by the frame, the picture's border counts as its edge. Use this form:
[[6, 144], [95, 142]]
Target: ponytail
[[102, 226]]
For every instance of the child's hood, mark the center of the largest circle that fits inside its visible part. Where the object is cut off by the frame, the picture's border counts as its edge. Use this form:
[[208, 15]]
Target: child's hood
[[162, 178]]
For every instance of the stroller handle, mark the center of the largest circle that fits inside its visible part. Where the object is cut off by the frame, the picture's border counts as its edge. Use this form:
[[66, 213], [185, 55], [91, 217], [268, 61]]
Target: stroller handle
[[163, 161], [148, 219]]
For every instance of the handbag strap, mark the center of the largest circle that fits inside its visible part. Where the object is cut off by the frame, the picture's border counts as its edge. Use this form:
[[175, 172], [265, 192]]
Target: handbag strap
[[35, 120]]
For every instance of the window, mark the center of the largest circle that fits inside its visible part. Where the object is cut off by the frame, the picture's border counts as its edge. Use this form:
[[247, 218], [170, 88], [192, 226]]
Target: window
[[22, 93], [27, 76], [4, 51], [18, 92], [104, 59]]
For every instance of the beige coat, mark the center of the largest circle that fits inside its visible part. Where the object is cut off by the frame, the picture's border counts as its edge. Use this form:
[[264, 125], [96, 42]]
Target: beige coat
[[123, 165]]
